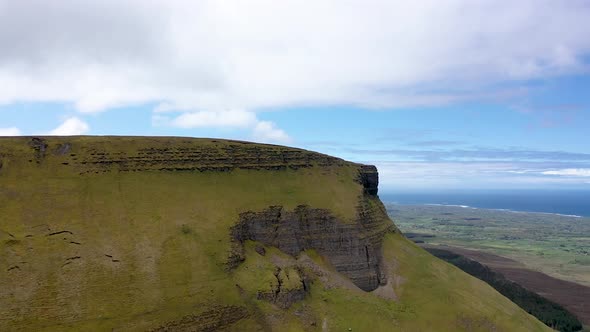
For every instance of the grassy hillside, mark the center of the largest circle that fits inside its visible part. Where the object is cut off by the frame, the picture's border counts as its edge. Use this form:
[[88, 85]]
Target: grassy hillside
[[135, 234]]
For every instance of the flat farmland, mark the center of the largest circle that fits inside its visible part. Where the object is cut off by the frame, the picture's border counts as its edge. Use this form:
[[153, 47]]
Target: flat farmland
[[574, 297], [548, 254], [556, 245]]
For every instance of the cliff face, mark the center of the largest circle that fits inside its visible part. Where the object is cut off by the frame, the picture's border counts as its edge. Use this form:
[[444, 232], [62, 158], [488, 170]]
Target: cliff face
[[177, 234], [354, 249], [370, 179]]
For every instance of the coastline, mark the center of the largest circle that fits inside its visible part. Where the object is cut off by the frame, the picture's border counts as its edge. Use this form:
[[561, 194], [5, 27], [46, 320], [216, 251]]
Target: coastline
[[574, 204], [491, 209]]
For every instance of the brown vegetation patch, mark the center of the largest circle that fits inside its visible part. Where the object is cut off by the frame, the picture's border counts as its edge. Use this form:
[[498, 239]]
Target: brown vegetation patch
[[573, 296]]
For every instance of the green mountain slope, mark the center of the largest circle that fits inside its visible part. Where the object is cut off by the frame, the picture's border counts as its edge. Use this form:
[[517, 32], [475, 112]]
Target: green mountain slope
[[177, 234]]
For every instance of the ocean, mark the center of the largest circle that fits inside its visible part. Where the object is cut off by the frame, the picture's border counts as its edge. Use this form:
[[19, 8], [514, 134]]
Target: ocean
[[566, 202]]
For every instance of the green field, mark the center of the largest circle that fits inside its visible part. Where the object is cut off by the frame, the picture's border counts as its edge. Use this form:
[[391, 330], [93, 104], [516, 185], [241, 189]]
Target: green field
[[556, 245]]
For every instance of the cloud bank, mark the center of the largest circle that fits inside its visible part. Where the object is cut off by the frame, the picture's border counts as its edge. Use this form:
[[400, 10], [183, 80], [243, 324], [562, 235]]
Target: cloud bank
[[262, 131], [399, 175], [574, 172], [214, 56], [472, 168]]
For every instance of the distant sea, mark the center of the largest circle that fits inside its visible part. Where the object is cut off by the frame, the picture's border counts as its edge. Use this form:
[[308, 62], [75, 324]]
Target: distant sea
[[566, 202]]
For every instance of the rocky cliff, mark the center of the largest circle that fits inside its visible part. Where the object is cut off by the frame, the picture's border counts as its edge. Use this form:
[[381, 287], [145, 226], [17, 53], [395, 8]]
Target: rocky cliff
[[354, 249]]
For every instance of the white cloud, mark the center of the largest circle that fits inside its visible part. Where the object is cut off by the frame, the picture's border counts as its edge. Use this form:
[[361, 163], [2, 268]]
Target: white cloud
[[70, 127], [266, 131], [441, 174], [12, 131], [261, 131], [230, 118], [218, 55], [583, 172]]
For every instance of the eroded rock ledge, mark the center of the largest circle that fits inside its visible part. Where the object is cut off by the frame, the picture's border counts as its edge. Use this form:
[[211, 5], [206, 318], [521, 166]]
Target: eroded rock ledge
[[354, 249], [182, 155]]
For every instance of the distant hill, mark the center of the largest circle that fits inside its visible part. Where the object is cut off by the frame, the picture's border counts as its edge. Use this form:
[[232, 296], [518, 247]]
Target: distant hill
[[179, 234]]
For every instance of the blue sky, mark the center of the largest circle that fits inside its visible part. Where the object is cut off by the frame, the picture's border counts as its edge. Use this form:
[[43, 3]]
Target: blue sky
[[449, 95]]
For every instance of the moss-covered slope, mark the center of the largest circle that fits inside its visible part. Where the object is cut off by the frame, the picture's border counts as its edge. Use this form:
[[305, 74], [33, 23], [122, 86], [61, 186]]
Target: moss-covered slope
[[130, 233]]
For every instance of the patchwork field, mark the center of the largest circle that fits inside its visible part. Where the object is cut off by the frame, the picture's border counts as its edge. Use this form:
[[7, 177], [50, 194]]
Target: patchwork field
[[574, 297], [545, 253], [553, 244]]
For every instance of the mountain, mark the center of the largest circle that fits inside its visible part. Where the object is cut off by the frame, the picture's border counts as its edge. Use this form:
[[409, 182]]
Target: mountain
[[181, 234]]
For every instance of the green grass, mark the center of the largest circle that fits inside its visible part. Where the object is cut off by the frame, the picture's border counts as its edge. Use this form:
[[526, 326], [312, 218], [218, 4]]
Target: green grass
[[150, 247]]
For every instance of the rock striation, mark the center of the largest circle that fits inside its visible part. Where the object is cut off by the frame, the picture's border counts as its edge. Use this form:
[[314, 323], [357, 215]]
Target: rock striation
[[369, 178], [184, 155], [354, 249]]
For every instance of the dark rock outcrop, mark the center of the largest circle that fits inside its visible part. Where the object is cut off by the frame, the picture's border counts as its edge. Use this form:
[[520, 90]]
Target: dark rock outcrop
[[39, 145], [353, 248], [369, 178], [62, 149], [260, 250]]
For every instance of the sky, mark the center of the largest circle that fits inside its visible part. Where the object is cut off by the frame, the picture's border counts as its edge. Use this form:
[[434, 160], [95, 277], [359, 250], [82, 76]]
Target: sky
[[439, 94]]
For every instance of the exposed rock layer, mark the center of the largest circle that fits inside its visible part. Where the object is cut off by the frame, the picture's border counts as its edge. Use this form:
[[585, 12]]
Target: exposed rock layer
[[369, 178], [353, 248], [185, 156]]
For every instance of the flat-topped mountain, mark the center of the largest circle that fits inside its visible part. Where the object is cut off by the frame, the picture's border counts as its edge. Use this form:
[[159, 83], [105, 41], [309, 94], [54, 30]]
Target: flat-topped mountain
[[181, 234]]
